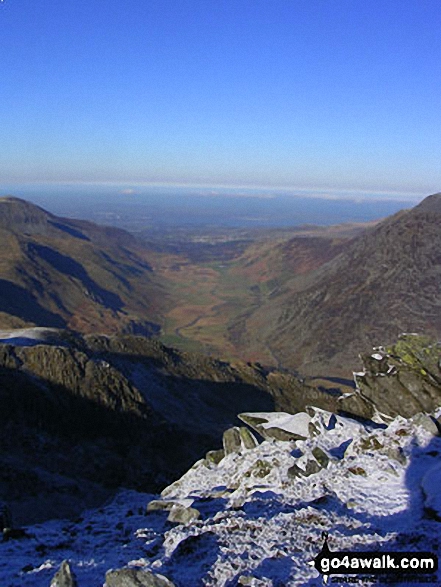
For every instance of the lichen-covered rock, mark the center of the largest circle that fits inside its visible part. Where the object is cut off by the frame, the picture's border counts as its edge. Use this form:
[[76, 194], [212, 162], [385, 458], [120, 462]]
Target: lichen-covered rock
[[238, 439], [370, 442], [311, 468], [64, 577], [232, 441], [136, 578], [249, 441], [403, 379], [215, 456], [260, 469]]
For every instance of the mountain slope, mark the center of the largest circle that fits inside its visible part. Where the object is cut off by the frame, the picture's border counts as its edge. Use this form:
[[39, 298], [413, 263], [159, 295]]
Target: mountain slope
[[257, 517], [385, 282], [59, 272], [84, 415]]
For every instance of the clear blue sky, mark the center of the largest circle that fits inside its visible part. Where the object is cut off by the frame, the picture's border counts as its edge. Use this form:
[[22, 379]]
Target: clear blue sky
[[302, 93]]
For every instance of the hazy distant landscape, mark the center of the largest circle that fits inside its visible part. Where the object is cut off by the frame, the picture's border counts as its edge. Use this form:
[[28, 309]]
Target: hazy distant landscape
[[154, 209]]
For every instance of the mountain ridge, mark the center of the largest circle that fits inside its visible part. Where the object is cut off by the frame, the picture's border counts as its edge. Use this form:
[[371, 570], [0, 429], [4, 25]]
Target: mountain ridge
[[382, 283], [68, 273]]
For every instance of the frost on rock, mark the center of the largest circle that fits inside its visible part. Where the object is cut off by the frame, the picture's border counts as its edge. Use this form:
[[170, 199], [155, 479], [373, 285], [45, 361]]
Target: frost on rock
[[403, 379], [278, 425], [247, 519]]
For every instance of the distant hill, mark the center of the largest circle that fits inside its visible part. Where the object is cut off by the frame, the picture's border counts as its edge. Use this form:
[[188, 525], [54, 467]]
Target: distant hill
[[383, 282], [70, 273]]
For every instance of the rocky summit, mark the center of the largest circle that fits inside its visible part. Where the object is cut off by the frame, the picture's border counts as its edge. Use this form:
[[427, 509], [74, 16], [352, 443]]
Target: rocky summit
[[257, 516], [259, 510]]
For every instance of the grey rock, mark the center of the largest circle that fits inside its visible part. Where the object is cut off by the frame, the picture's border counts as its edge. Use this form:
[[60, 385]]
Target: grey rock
[[313, 430], [64, 577], [260, 423], [311, 468], [370, 443], [355, 403], [215, 456], [429, 423], [183, 515], [405, 381], [395, 453], [260, 469], [238, 439], [320, 456], [249, 441], [136, 578], [232, 441], [294, 472]]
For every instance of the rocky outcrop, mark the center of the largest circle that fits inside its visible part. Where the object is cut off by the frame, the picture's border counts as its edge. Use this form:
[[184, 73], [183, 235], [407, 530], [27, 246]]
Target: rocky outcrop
[[257, 516], [402, 379], [64, 577]]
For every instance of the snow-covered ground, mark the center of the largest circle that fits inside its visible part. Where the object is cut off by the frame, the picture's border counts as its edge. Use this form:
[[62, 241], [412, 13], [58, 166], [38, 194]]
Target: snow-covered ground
[[33, 336], [262, 512]]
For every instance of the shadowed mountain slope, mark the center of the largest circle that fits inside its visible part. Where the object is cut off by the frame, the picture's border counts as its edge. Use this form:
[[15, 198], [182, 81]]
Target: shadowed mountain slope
[[84, 415], [61, 272]]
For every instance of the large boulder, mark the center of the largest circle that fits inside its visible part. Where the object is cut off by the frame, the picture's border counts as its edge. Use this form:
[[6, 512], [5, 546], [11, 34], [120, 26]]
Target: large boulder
[[403, 379], [279, 425], [238, 439], [136, 578]]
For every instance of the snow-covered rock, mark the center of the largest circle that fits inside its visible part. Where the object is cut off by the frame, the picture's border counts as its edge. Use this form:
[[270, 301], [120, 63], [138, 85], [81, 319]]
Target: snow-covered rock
[[278, 425], [370, 489]]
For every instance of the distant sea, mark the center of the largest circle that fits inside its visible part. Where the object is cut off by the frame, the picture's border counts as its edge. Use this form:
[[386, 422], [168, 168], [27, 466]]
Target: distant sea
[[146, 207]]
